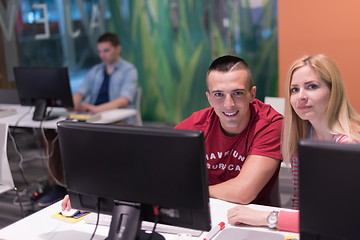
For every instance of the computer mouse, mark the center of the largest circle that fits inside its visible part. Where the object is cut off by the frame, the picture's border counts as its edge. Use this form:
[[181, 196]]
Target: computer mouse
[[72, 212]]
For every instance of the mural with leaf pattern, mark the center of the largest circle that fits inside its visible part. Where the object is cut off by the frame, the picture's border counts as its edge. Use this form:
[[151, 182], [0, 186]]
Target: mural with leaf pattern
[[172, 43]]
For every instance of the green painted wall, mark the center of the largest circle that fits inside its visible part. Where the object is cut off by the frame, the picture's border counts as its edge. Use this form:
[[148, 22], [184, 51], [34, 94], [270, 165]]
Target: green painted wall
[[172, 44]]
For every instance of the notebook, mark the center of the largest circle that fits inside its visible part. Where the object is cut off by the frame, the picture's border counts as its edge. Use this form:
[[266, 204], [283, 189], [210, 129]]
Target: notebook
[[84, 116]]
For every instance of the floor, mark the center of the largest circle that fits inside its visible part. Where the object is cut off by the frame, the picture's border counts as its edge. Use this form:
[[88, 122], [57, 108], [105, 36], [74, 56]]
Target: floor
[[34, 175], [28, 181]]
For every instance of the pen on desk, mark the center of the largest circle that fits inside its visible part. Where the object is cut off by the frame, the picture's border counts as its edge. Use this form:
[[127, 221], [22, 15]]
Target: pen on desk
[[215, 230]]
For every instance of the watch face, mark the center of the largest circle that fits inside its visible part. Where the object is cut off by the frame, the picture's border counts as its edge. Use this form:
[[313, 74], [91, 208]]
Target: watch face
[[272, 219]]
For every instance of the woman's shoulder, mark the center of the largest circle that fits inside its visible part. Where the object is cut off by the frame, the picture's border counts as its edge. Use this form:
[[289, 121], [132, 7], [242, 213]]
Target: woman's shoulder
[[341, 138]]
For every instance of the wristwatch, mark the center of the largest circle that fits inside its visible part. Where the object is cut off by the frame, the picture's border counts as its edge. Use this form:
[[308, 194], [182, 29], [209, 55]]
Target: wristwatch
[[272, 219]]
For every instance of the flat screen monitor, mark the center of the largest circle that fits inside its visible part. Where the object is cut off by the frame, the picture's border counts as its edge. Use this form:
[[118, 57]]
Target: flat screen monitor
[[134, 173], [43, 87], [329, 181]]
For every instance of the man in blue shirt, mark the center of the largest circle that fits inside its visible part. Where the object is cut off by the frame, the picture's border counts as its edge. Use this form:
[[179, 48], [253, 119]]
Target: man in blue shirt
[[110, 84]]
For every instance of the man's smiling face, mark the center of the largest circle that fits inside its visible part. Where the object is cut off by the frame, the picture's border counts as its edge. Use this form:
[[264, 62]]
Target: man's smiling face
[[230, 95]]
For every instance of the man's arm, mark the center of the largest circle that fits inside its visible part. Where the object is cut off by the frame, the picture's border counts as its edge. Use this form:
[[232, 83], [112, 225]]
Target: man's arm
[[119, 102], [254, 175], [77, 98]]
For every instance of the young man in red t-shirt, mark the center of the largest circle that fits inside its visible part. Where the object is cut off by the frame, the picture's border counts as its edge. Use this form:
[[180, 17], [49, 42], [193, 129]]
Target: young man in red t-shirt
[[242, 135]]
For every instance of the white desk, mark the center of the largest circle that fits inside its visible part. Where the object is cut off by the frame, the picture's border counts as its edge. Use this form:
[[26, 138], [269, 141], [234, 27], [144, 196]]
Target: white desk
[[219, 211], [41, 225], [23, 116]]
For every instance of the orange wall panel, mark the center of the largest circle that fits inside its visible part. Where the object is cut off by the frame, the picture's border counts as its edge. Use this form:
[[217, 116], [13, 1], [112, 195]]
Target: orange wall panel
[[321, 26]]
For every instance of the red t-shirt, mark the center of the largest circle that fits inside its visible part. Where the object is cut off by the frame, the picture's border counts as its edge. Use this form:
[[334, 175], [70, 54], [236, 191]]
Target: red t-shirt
[[225, 155]]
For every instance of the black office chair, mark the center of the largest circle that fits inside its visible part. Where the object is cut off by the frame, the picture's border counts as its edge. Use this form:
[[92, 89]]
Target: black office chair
[[275, 195]]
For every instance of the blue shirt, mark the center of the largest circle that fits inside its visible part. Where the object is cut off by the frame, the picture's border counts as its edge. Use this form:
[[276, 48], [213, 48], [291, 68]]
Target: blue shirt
[[123, 83]]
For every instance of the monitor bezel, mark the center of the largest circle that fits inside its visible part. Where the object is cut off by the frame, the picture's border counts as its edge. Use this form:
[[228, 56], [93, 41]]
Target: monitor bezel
[[191, 215], [43, 87], [328, 198]]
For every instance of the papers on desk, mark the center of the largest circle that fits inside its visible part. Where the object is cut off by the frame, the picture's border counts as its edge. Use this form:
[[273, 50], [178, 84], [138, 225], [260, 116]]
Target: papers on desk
[[84, 116], [73, 219], [6, 112]]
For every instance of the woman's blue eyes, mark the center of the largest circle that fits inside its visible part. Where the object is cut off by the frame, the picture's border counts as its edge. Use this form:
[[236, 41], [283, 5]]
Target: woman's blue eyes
[[313, 86], [292, 90], [310, 86]]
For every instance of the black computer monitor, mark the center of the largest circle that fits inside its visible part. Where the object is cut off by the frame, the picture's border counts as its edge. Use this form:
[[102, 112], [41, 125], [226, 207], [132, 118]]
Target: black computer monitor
[[43, 87], [329, 181], [114, 169]]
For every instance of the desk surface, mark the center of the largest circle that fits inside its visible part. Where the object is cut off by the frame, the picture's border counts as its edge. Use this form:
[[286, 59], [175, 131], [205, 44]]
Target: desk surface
[[41, 225], [23, 116]]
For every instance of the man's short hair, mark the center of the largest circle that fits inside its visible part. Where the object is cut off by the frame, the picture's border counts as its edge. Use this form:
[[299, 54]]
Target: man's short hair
[[109, 37], [230, 63]]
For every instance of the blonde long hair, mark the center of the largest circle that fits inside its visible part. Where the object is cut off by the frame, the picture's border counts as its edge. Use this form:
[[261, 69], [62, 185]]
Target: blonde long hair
[[340, 115]]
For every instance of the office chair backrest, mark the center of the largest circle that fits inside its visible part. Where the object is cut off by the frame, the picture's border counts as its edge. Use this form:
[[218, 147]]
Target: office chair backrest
[[278, 103], [275, 195]]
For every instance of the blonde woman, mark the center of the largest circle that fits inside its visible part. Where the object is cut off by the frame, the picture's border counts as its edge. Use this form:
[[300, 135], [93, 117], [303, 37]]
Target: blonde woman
[[316, 107]]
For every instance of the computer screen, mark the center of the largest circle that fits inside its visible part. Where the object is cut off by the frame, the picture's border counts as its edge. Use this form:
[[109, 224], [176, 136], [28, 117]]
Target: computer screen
[[109, 168], [43, 87], [329, 177]]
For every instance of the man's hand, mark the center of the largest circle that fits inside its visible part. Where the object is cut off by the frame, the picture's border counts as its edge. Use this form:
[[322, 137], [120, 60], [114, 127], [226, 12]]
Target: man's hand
[[77, 98], [65, 204], [85, 107]]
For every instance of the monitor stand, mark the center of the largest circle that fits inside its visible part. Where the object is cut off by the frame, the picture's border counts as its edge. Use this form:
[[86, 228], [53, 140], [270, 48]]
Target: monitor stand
[[143, 235], [126, 223], [40, 111]]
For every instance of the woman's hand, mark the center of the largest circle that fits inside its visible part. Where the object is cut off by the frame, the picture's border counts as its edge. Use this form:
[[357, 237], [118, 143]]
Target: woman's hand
[[245, 215]]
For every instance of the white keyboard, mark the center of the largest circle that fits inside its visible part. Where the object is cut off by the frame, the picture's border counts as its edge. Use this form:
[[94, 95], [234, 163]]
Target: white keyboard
[[147, 226]]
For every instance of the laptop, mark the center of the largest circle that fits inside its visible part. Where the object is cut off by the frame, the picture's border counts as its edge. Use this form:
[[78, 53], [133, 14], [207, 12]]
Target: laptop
[[329, 181]]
